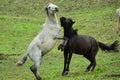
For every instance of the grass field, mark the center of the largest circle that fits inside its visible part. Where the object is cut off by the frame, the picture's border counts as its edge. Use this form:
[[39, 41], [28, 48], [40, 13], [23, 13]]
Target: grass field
[[21, 20]]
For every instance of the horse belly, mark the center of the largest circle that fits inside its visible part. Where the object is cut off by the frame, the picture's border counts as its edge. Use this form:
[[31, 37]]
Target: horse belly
[[80, 46], [48, 45], [80, 50], [44, 43]]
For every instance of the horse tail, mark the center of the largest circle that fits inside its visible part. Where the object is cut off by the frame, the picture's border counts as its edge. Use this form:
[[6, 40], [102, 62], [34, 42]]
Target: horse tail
[[23, 60], [109, 47]]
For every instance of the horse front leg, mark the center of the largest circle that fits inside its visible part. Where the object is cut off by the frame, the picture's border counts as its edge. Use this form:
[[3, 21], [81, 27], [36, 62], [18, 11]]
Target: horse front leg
[[69, 60], [62, 45], [65, 71]]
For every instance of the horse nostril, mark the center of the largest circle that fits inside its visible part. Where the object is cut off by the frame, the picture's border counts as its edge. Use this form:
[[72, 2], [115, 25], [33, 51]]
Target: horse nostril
[[56, 9], [49, 7]]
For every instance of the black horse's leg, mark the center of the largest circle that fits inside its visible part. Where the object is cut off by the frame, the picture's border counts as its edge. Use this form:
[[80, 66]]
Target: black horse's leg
[[92, 64], [65, 72], [33, 68], [69, 60]]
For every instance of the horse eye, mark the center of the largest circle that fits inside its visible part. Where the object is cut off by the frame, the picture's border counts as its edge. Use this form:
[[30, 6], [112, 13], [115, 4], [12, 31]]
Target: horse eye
[[49, 7]]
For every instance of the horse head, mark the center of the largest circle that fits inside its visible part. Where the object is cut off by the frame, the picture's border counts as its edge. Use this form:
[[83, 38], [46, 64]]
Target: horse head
[[67, 24], [51, 9]]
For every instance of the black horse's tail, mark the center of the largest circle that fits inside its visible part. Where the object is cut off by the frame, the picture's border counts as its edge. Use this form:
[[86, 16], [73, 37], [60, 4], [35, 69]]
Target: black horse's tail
[[109, 47]]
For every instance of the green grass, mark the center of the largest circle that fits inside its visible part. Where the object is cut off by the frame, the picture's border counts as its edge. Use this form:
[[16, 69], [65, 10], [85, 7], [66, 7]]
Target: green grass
[[21, 22]]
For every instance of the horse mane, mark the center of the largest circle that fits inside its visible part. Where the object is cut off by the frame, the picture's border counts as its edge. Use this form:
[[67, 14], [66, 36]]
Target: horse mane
[[70, 32], [75, 31]]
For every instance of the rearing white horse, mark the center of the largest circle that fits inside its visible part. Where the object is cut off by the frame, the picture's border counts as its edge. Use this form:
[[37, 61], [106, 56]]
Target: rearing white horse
[[44, 41]]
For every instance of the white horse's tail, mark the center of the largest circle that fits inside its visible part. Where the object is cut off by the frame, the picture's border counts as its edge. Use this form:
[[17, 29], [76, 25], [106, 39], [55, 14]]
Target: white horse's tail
[[23, 60]]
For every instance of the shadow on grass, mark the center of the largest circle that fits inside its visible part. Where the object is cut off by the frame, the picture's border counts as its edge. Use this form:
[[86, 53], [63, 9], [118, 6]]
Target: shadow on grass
[[112, 75]]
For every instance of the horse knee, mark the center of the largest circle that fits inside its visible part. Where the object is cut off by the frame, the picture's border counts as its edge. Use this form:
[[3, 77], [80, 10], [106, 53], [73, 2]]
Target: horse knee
[[33, 69]]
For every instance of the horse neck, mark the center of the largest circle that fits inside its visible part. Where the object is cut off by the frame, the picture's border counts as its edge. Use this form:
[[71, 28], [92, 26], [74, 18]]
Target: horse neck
[[52, 19], [68, 32]]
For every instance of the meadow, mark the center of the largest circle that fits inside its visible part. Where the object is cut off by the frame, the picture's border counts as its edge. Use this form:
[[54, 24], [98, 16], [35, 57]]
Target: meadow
[[21, 20]]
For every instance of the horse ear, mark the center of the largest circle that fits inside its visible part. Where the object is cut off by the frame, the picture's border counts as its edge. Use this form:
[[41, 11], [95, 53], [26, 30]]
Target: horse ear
[[73, 22], [46, 7]]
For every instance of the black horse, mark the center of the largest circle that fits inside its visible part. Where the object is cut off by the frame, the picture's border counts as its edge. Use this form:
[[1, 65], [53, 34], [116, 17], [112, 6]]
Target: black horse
[[80, 44]]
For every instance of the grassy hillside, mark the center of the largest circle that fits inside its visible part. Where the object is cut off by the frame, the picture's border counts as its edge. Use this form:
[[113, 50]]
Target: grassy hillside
[[21, 20]]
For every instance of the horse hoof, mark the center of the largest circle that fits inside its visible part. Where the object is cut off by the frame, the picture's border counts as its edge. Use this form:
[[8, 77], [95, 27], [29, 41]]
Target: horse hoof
[[19, 63], [39, 79], [64, 73], [86, 70]]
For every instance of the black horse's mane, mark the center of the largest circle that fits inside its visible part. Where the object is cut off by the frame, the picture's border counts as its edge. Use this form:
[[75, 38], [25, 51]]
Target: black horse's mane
[[70, 32], [75, 31]]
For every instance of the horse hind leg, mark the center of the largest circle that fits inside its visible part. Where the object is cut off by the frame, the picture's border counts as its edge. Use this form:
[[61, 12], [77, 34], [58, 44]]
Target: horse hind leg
[[93, 62], [23, 60], [92, 65], [91, 56], [37, 58], [34, 69]]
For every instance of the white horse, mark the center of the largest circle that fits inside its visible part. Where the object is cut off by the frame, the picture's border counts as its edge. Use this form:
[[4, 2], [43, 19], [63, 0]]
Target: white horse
[[118, 20], [44, 41]]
